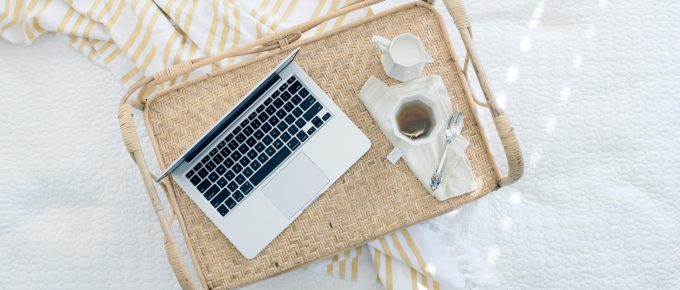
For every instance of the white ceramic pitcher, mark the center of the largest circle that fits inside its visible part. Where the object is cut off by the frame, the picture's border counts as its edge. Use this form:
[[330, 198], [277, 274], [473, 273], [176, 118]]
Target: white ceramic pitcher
[[404, 57]]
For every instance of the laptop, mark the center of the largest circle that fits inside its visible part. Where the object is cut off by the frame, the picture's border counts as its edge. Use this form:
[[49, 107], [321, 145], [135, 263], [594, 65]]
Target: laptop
[[269, 158]]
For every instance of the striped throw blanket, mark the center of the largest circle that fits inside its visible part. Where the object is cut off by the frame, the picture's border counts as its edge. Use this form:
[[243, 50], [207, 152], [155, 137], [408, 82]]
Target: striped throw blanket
[[134, 39]]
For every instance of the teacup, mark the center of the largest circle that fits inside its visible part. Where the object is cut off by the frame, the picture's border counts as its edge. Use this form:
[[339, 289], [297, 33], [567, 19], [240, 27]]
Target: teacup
[[404, 57], [417, 119]]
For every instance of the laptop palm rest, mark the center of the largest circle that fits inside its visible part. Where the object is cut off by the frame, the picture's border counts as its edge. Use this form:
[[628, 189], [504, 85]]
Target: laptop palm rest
[[295, 185]]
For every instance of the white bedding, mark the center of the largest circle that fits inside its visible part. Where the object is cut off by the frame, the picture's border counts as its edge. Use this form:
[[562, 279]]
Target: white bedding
[[591, 88]]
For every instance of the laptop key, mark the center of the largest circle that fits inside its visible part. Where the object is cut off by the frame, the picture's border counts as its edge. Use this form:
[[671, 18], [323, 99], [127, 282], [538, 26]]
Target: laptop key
[[248, 131], [210, 166], [233, 145], [232, 186], [281, 113], [275, 94], [304, 93], [244, 161], [268, 167], [237, 168], [213, 152], [230, 175], [213, 176], [307, 103], [293, 143], [267, 140], [269, 100], [296, 99], [263, 117], [228, 162], [246, 188], [230, 203], [302, 136], [190, 174], [236, 155], [255, 124], [240, 179], [252, 154], [311, 130], [295, 87], [236, 130], [245, 123], [247, 172], [252, 116], [266, 127], [225, 152], [283, 87], [205, 159], [220, 169], [211, 192], [238, 196], [293, 129], [271, 151], [251, 142], [285, 136], [221, 144], [291, 80], [300, 123], [316, 108], [259, 147], [203, 173], [218, 158], [317, 122], [259, 134], [275, 133], [286, 96], [282, 126], [220, 197], [273, 120], [278, 144], [271, 110], [240, 138], [289, 119], [222, 182], [263, 157], [297, 112], [255, 165], [203, 186], [243, 149], [223, 210], [195, 180], [260, 108]]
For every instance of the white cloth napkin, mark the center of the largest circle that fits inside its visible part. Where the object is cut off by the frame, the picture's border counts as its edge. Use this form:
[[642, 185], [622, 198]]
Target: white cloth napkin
[[380, 100]]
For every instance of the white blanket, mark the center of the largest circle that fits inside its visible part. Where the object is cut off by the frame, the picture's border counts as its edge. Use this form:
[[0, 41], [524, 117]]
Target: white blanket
[[591, 88]]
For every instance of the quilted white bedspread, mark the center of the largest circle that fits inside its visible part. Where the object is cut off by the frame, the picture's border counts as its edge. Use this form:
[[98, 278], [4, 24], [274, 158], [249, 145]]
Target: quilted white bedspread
[[591, 87]]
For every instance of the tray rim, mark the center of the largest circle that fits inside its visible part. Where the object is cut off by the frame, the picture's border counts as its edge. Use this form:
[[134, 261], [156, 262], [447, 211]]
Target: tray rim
[[300, 43]]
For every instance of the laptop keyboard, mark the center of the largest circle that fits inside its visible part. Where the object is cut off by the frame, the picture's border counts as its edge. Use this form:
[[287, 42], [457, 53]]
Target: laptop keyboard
[[261, 142]]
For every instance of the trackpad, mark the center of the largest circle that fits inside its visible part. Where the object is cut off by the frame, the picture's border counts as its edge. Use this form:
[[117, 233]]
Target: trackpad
[[295, 185]]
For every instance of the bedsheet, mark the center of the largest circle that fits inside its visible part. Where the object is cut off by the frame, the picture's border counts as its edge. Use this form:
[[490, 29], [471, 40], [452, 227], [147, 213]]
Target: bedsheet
[[591, 88]]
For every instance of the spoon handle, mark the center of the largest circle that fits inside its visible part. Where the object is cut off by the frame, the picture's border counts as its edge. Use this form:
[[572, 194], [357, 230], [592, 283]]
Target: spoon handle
[[436, 179]]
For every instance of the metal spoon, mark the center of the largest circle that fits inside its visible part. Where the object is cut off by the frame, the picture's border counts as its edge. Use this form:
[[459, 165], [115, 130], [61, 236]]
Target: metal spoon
[[452, 129]]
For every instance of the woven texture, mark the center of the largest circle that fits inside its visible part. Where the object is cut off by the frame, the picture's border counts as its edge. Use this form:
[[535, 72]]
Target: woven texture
[[373, 198]]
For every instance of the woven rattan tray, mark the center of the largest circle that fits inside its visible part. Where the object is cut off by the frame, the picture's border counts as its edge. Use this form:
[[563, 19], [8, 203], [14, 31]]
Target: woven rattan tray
[[373, 198]]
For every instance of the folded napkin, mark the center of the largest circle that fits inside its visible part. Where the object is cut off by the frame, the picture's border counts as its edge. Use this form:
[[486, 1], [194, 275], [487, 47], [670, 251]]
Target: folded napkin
[[422, 159]]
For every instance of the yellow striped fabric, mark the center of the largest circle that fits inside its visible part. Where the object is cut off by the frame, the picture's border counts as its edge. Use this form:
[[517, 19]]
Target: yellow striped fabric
[[134, 39]]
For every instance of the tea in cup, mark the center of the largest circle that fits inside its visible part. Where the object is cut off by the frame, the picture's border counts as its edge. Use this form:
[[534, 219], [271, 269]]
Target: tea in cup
[[416, 119]]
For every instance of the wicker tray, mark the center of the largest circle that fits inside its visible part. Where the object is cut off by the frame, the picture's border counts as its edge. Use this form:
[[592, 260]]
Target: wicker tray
[[373, 198]]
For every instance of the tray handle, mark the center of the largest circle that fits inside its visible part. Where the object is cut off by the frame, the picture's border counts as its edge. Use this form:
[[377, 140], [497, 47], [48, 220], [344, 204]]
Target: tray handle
[[505, 130], [131, 140]]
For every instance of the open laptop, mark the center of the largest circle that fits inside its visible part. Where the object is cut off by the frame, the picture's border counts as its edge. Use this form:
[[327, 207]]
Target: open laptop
[[269, 157]]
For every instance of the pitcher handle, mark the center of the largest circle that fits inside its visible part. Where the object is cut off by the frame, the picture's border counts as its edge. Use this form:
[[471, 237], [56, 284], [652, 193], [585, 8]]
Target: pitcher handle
[[382, 43]]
